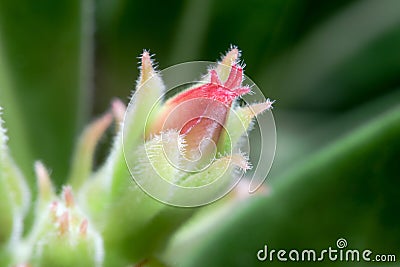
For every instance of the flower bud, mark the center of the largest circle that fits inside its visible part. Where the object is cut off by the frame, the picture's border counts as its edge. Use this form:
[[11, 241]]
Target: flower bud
[[200, 113], [63, 236], [169, 144]]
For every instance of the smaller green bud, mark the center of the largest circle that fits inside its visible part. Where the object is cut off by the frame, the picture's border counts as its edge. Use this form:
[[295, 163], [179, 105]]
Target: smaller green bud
[[62, 234], [67, 239]]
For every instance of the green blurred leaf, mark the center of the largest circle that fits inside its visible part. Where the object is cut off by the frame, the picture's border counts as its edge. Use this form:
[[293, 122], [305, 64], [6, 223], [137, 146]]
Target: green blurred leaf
[[123, 30], [349, 190], [346, 60], [304, 132], [44, 76], [19, 140]]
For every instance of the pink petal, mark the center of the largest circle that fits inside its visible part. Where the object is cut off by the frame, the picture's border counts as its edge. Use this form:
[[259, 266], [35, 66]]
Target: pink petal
[[200, 113]]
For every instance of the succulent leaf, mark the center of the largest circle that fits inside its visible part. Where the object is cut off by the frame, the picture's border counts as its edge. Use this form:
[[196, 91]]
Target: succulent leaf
[[14, 194], [239, 122], [83, 159]]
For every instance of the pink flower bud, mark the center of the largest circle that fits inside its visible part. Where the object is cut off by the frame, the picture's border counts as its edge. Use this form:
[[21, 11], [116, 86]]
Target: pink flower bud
[[200, 113]]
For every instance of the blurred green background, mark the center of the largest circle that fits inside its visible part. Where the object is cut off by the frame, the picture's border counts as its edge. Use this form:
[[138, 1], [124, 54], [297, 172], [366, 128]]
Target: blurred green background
[[332, 66]]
